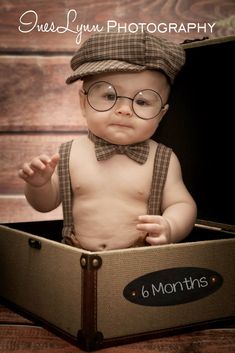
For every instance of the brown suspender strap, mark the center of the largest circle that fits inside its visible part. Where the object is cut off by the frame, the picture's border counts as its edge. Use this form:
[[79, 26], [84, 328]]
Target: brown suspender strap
[[160, 169], [65, 188]]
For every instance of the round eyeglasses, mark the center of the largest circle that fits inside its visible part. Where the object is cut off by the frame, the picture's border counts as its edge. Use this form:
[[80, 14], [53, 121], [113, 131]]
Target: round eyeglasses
[[102, 96]]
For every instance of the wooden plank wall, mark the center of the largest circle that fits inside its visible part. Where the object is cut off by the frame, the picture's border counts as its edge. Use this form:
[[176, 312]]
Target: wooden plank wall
[[37, 110]]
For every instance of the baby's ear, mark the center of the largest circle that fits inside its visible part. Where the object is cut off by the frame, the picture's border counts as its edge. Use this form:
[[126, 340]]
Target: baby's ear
[[165, 108], [163, 111]]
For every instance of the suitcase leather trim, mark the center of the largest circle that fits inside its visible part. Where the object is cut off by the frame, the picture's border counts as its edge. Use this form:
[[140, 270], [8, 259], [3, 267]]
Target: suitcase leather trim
[[88, 337]]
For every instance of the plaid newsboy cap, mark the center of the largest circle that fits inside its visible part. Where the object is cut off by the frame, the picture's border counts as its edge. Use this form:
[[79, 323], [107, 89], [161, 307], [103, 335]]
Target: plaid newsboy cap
[[126, 52]]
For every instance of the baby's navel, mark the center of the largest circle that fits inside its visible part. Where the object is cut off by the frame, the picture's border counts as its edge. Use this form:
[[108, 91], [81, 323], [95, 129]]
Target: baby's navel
[[103, 246]]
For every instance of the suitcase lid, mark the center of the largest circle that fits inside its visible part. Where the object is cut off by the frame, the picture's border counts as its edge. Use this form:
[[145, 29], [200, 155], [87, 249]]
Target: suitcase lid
[[199, 127]]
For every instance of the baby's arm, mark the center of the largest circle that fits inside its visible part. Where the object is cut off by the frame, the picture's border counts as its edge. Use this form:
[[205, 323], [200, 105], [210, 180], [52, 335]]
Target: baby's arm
[[42, 185], [179, 211]]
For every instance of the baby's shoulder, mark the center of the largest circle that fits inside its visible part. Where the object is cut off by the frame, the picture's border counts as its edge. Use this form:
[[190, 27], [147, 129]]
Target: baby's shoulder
[[80, 143], [82, 149], [160, 150], [155, 146]]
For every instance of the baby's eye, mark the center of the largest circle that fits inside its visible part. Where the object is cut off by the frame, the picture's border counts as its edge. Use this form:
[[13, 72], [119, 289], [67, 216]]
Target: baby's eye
[[142, 102], [109, 97]]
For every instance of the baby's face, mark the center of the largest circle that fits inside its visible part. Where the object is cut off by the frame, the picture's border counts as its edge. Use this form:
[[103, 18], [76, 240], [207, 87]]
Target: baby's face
[[120, 124]]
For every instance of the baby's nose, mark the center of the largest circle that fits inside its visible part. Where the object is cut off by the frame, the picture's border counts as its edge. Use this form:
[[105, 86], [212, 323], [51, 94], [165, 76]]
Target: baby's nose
[[124, 106]]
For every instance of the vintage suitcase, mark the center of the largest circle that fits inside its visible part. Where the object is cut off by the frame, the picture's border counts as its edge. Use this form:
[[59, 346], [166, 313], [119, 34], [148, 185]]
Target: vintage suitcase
[[103, 298]]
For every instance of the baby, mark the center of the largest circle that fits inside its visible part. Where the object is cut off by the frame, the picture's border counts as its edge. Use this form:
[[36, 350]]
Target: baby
[[118, 187]]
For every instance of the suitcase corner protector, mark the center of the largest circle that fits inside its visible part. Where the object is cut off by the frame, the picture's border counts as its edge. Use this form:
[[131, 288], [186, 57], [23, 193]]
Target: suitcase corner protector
[[89, 342]]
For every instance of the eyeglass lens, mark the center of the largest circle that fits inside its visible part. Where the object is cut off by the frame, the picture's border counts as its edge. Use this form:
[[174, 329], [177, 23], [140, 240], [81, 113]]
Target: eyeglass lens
[[146, 104]]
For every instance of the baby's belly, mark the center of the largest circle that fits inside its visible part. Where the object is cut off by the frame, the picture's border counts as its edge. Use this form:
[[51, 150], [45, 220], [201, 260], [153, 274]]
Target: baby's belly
[[108, 224]]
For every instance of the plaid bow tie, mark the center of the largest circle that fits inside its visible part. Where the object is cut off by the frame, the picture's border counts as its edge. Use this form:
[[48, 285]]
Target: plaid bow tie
[[104, 150]]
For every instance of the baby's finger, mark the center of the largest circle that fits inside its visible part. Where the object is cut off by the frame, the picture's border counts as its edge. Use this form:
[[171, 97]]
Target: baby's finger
[[153, 240], [23, 175], [149, 227], [40, 162], [54, 160], [44, 158], [149, 218], [27, 170]]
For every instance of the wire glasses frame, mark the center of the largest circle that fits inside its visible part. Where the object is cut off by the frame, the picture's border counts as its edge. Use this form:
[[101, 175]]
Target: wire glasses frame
[[146, 104]]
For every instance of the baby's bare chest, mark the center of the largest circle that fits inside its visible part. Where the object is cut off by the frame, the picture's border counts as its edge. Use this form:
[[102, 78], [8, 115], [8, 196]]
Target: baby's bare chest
[[116, 177]]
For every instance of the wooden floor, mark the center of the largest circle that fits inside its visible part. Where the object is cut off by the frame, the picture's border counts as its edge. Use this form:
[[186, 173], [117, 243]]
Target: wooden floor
[[21, 335]]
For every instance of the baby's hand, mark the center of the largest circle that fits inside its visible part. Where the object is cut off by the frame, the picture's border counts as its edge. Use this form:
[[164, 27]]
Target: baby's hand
[[157, 228], [39, 171]]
